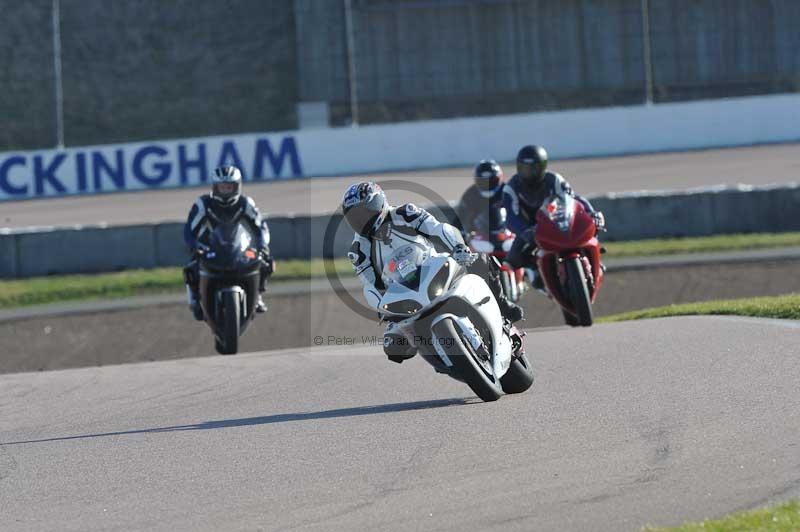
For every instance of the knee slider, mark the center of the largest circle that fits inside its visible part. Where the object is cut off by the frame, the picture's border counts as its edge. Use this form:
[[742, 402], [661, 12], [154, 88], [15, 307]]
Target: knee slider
[[397, 347]]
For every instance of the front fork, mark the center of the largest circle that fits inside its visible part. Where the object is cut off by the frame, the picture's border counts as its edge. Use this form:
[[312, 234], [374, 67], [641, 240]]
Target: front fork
[[561, 268]]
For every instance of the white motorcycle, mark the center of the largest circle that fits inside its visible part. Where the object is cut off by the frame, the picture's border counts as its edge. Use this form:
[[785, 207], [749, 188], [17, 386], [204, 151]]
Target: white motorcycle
[[453, 319]]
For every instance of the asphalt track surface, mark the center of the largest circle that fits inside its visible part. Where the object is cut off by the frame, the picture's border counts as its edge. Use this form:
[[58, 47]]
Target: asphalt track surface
[[761, 165], [100, 335], [632, 423]]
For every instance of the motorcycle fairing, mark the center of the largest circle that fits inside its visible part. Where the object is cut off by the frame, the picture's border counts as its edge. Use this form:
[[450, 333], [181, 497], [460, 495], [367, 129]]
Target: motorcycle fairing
[[469, 288], [558, 241]]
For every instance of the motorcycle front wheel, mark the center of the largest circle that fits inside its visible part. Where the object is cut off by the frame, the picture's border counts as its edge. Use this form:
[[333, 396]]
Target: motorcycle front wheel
[[570, 319], [228, 342], [579, 292], [470, 366]]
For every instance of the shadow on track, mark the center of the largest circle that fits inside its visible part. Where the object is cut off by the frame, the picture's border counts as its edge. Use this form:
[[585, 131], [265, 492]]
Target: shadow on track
[[276, 418]]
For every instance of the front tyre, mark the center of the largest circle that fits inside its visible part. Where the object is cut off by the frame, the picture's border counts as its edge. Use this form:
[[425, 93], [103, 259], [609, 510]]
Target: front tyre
[[579, 292], [468, 364], [228, 342], [519, 376], [569, 318]]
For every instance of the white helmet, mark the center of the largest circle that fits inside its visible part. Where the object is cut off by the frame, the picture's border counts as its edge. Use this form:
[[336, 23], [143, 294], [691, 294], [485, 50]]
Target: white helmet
[[226, 185], [365, 207]]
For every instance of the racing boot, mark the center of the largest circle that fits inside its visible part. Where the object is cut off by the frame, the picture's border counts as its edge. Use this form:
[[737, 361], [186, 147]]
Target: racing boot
[[194, 304], [267, 267], [535, 279], [261, 307], [489, 270], [510, 310]]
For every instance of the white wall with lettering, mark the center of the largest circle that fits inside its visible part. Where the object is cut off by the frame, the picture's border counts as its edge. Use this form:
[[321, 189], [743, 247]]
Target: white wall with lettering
[[408, 145]]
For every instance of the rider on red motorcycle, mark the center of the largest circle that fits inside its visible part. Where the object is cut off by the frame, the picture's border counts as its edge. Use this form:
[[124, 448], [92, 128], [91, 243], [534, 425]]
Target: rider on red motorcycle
[[524, 194]]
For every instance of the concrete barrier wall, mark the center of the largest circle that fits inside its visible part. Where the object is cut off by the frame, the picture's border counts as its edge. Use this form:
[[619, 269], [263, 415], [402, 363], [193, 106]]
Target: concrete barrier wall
[[430, 144], [9, 266], [723, 210], [631, 216]]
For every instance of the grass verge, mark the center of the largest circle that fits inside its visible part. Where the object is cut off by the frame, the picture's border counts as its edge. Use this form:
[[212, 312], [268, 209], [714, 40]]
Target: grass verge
[[706, 244], [781, 518], [63, 288], [54, 289], [778, 307]]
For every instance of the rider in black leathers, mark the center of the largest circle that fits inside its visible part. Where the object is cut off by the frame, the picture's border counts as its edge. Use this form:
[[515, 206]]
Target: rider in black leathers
[[224, 203]]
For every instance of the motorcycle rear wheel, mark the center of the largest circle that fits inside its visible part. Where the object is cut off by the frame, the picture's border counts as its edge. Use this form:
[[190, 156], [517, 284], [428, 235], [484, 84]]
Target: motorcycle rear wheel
[[466, 363], [519, 376], [510, 288], [579, 292], [228, 343]]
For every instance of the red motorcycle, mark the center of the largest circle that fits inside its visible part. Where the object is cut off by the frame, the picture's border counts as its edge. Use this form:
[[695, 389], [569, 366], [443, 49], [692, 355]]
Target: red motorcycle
[[492, 236], [568, 256]]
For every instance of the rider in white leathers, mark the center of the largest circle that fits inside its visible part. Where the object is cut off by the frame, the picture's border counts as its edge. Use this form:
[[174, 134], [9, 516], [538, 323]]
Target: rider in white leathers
[[381, 229]]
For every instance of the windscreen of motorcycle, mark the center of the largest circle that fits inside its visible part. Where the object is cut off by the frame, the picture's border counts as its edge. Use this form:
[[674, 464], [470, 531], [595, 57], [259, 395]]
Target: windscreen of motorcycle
[[229, 244], [560, 209], [405, 264]]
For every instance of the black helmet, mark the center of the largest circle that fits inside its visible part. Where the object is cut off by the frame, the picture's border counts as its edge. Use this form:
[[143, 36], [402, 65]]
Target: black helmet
[[488, 177], [531, 164], [226, 185], [365, 207]]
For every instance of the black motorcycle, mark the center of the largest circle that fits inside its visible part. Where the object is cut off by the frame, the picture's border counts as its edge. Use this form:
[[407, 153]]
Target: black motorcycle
[[228, 288]]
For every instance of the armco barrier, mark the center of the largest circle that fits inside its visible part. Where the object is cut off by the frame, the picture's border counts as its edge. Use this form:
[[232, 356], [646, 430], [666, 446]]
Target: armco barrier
[[630, 216]]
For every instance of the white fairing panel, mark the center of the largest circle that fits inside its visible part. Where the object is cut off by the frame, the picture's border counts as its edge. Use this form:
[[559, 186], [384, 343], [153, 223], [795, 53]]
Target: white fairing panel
[[477, 292], [396, 292], [469, 287]]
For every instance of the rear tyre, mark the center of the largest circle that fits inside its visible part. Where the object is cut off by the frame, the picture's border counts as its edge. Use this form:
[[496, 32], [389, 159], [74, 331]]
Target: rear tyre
[[579, 292], [228, 343], [466, 362], [515, 287], [519, 376], [219, 346], [507, 290]]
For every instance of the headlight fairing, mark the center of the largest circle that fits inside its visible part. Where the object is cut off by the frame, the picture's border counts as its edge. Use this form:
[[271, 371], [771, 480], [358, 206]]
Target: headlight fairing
[[439, 282], [405, 306]]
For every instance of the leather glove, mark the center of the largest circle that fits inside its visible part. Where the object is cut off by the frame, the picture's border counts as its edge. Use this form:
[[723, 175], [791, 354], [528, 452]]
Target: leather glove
[[463, 256], [200, 250], [599, 220]]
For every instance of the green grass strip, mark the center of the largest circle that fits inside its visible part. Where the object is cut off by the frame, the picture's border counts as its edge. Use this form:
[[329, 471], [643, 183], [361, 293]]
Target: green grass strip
[[62, 288], [54, 289], [706, 244], [778, 307], [781, 518]]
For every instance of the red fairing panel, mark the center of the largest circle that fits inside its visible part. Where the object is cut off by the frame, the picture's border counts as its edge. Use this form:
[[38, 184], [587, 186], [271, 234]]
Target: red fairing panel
[[555, 246]]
